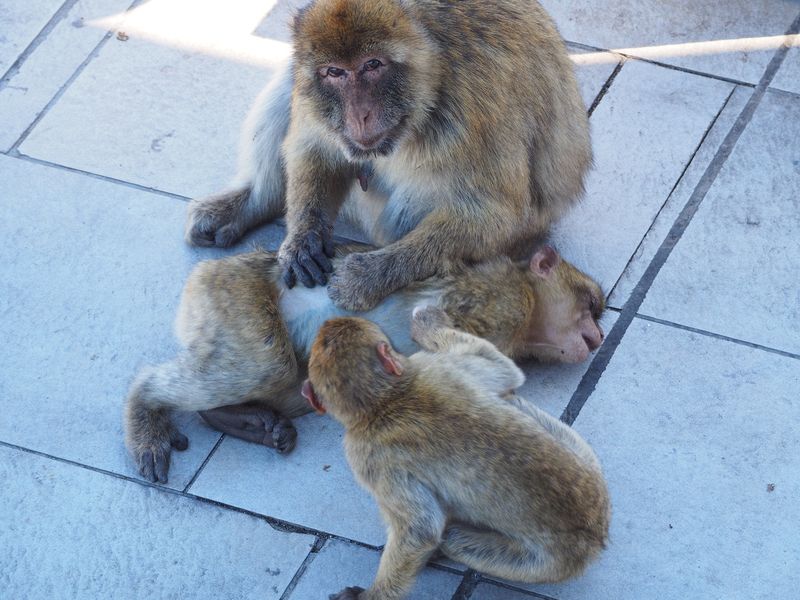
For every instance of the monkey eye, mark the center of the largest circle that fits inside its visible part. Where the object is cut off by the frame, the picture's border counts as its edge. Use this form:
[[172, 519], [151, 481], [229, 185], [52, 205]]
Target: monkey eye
[[373, 64], [333, 72]]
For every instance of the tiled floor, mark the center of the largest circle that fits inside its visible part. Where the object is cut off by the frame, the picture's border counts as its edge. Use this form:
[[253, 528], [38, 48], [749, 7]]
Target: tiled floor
[[110, 120]]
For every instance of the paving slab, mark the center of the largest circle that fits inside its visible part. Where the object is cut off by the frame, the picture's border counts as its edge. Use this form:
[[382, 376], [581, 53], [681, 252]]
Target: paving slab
[[593, 70], [696, 436], [68, 532], [734, 271], [90, 278], [312, 485], [788, 76], [20, 22], [488, 591], [24, 94], [734, 39], [638, 160], [677, 199], [340, 564], [183, 138]]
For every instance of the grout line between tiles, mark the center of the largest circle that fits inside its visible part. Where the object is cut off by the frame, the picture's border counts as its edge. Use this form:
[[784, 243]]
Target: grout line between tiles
[[631, 307], [319, 543], [606, 86], [203, 464], [467, 586], [57, 17], [662, 64], [697, 149], [95, 51], [719, 336], [511, 587], [106, 178], [277, 524]]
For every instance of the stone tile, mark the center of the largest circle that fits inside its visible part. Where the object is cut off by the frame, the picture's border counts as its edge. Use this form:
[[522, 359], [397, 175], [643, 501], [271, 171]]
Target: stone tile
[[68, 532], [312, 486], [277, 22], [20, 22], [692, 447], [745, 284], [638, 160], [90, 278], [550, 386], [788, 76], [171, 97], [340, 564], [734, 39], [677, 199], [26, 93]]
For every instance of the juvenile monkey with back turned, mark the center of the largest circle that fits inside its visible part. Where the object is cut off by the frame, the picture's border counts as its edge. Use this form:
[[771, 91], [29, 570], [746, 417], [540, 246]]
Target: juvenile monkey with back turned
[[454, 460], [246, 338], [447, 131]]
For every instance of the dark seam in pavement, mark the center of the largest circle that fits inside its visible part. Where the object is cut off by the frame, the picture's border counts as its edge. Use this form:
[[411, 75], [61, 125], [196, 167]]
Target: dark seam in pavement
[[606, 86], [106, 178], [468, 584], [719, 336], [657, 63], [203, 464], [688, 164], [95, 51], [630, 309], [57, 17], [319, 543]]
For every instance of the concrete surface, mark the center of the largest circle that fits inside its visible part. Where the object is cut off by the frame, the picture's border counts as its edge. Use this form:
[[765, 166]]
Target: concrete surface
[[112, 117]]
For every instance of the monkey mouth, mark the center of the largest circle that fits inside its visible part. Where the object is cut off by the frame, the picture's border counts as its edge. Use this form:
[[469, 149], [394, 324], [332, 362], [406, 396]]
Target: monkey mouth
[[381, 145]]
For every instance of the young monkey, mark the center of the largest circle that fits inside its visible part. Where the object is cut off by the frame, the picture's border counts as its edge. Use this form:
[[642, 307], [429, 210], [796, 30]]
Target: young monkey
[[454, 459], [246, 338]]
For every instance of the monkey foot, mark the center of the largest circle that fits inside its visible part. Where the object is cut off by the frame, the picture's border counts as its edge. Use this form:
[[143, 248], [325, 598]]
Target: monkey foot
[[152, 459], [254, 424], [212, 221], [348, 593]]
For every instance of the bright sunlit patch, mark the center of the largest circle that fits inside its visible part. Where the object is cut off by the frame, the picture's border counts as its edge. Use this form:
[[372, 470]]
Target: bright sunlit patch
[[667, 51], [213, 27]]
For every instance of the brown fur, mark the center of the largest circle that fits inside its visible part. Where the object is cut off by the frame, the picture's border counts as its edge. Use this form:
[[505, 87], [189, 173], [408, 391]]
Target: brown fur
[[246, 340], [455, 460], [491, 143]]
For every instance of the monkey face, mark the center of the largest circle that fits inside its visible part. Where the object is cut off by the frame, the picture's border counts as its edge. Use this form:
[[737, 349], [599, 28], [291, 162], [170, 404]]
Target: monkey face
[[566, 327], [364, 103]]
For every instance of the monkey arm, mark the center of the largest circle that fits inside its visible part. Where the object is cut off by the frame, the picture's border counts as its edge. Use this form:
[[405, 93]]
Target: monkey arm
[[432, 329], [316, 188], [472, 232]]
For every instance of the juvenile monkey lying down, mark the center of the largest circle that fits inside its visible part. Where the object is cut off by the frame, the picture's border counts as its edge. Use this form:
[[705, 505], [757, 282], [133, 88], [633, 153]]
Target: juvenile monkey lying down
[[246, 339], [454, 459]]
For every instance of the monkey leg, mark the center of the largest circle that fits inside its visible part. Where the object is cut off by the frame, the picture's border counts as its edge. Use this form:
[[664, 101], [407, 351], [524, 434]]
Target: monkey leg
[[565, 434], [498, 555], [253, 423], [258, 194]]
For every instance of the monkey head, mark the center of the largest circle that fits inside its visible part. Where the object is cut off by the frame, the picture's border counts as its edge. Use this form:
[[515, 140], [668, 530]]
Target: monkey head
[[351, 369], [564, 326], [366, 69]]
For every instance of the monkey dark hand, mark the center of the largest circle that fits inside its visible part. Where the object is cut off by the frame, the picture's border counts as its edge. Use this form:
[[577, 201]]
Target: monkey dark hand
[[363, 280], [348, 593], [306, 257]]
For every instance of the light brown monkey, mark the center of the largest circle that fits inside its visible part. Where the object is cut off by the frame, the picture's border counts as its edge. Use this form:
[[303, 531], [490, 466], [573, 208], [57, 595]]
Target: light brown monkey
[[247, 337], [447, 131], [454, 460]]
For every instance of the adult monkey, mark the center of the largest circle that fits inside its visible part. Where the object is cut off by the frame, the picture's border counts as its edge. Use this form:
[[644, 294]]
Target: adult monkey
[[461, 121]]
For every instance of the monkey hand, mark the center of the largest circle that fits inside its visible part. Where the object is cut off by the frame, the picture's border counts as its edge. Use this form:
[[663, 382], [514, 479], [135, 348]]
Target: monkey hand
[[425, 321], [361, 281], [348, 593], [306, 257]]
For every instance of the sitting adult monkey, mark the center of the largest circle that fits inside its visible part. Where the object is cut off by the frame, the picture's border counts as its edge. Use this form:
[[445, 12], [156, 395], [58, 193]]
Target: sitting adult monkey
[[455, 460], [461, 121]]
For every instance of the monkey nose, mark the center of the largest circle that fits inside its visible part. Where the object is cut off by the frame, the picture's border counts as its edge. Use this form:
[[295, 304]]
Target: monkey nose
[[593, 341]]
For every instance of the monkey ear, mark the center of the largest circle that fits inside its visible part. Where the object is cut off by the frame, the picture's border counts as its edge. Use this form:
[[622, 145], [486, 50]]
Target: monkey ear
[[388, 360], [308, 393], [544, 261]]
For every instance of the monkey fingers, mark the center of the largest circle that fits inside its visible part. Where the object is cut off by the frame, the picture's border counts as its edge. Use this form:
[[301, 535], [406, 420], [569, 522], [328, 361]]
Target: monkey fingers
[[348, 593], [254, 424], [361, 281], [309, 261]]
